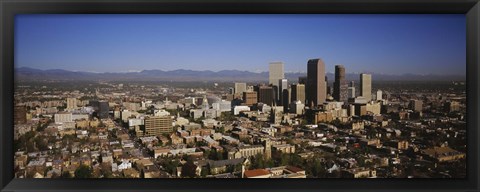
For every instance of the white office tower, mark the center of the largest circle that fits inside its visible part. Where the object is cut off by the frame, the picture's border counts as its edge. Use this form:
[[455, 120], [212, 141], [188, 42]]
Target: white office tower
[[276, 72], [379, 95], [366, 86]]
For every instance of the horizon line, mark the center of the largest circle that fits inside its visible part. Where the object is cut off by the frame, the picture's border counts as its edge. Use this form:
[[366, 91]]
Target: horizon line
[[257, 72]]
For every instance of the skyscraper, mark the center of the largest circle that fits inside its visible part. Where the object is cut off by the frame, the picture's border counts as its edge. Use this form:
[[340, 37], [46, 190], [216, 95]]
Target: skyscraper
[[298, 93], [285, 99], [240, 88], [276, 72], [340, 86], [283, 85], [103, 109], [316, 86], [366, 86], [265, 95]]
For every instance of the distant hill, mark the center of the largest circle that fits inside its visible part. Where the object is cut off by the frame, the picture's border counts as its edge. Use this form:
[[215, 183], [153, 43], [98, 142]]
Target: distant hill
[[30, 74]]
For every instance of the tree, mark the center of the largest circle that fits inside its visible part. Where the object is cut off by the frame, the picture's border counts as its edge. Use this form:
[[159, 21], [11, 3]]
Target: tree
[[66, 174], [83, 172], [189, 170]]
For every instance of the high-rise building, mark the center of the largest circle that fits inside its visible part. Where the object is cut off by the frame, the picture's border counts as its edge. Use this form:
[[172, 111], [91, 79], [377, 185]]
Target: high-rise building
[[316, 86], [250, 98], [340, 87], [351, 90], [416, 105], [155, 126], [240, 88], [366, 86], [285, 99], [103, 109], [71, 103], [265, 95], [276, 72], [283, 85], [298, 93], [379, 95]]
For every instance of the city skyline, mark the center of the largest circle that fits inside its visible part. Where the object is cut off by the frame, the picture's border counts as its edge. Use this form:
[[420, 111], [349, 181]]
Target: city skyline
[[435, 47]]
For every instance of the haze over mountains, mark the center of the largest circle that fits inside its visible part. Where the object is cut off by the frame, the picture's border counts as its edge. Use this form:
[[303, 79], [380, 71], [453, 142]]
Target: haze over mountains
[[30, 74]]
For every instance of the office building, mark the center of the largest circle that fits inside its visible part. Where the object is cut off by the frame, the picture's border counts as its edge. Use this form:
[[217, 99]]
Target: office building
[[155, 126], [297, 107], [276, 72], [316, 86], [63, 117], [340, 87], [71, 103], [416, 105], [283, 85], [285, 99], [265, 95], [351, 90], [298, 93], [379, 95], [240, 88], [250, 98], [366, 86], [103, 109]]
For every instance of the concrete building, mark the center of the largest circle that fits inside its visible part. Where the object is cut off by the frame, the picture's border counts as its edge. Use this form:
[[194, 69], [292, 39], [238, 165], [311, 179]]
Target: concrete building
[[340, 87], [276, 72], [297, 107], [298, 93], [250, 98], [155, 126], [63, 117], [238, 109], [103, 109], [416, 105], [222, 106], [265, 94], [366, 86], [240, 88], [285, 99], [71, 103], [317, 88], [351, 90], [379, 95], [283, 85]]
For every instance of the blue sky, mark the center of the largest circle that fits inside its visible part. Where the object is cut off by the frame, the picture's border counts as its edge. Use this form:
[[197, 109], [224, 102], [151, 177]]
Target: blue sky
[[390, 44]]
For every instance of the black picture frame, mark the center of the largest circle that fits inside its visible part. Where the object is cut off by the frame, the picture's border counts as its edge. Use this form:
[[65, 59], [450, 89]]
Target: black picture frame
[[8, 9]]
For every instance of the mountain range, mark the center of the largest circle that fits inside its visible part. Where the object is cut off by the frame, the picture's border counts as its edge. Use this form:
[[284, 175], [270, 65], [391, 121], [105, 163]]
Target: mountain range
[[30, 74]]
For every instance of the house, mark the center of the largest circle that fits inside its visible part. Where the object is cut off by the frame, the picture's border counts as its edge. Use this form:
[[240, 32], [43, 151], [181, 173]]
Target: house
[[124, 165], [131, 173]]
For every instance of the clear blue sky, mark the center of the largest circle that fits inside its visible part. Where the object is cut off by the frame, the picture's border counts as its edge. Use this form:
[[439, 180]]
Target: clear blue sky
[[391, 44]]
